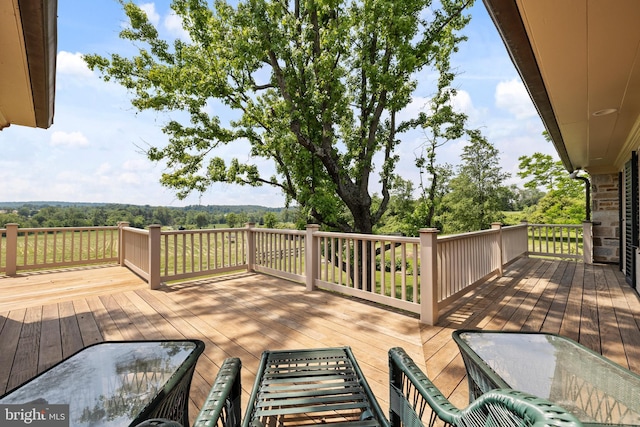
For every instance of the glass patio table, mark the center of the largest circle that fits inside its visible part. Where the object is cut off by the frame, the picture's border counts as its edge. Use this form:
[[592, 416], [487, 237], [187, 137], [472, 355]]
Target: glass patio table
[[117, 383], [594, 389]]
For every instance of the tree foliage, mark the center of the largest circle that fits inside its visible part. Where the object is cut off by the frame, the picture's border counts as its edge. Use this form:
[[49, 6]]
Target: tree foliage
[[475, 199], [564, 201], [554, 208], [87, 215], [317, 85], [541, 171], [440, 124]]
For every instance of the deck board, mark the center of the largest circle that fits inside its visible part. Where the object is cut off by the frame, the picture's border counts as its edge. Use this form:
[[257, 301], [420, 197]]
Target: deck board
[[50, 350], [89, 330], [25, 365], [69, 329], [9, 337], [244, 314]]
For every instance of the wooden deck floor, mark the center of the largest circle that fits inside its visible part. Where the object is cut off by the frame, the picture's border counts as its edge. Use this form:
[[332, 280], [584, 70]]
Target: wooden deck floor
[[46, 317]]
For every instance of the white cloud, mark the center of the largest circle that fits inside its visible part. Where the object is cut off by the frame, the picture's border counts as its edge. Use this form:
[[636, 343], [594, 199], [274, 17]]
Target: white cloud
[[513, 97], [417, 105], [68, 139], [136, 164], [103, 169], [150, 10], [173, 23], [129, 178], [462, 103], [15, 185], [72, 64]]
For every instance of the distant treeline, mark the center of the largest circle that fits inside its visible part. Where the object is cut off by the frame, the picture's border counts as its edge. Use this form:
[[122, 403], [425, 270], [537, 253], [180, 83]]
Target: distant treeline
[[67, 214]]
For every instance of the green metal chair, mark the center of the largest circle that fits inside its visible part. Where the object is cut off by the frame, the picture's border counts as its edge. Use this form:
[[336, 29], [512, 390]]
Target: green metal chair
[[323, 386], [222, 406], [411, 393]]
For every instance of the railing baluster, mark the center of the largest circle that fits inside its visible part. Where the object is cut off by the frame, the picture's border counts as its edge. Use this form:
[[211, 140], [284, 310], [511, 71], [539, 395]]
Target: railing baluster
[[560, 240]]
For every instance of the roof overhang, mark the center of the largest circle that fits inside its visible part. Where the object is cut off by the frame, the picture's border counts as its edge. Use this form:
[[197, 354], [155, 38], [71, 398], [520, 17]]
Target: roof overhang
[[580, 62], [28, 46]]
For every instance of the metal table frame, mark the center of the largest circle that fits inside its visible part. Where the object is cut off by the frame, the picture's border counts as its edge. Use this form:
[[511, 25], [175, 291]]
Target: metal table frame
[[170, 402], [613, 400]]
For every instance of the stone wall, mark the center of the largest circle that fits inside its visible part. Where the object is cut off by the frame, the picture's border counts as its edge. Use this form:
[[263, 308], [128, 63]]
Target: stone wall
[[605, 217]]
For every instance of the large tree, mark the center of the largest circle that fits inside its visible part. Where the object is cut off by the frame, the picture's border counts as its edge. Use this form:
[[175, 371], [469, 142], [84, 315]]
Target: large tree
[[318, 85], [475, 199], [441, 123]]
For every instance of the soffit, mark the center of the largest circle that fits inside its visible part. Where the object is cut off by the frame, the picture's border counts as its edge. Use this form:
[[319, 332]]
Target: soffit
[[16, 101], [587, 53], [28, 44]]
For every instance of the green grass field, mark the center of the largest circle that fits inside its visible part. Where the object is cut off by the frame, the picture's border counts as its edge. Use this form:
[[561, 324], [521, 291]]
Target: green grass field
[[45, 248], [182, 253]]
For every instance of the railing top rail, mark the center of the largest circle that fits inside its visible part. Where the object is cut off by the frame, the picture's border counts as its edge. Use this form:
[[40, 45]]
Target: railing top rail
[[278, 231], [203, 231], [466, 235], [556, 225], [48, 229], [385, 237], [514, 226], [135, 230]]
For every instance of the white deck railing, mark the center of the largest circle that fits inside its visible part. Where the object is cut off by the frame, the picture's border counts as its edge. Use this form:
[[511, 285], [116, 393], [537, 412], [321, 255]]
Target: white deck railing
[[52, 247], [382, 269], [196, 253], [278, 252], [421, 275], [465, 260], [135, 251], [556, 240]]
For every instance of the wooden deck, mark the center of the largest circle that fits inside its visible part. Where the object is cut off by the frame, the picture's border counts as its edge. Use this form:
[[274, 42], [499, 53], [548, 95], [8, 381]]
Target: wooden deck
[[45, 317]]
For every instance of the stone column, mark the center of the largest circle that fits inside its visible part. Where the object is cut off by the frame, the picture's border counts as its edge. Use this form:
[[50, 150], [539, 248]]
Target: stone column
[[605, 217]]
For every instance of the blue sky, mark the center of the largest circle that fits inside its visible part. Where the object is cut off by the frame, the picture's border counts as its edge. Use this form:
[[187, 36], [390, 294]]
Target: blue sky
[[92, 152]]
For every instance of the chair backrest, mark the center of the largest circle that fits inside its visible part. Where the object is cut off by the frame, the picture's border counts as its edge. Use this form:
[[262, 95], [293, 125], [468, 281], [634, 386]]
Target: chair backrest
[[322, 385], [413, 395], [222, 407]]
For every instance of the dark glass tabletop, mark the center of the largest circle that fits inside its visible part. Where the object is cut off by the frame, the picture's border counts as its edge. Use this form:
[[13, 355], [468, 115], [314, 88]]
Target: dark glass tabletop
[[109, 383], [595, 389]]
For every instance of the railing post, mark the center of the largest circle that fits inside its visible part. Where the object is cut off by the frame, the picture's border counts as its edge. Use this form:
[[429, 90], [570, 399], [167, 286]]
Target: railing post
[[312, 256], [526, 233], [499, 249], [154, 256], [429, 275], [587, 242], [11, 263], [251, 246], [121, 245]]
